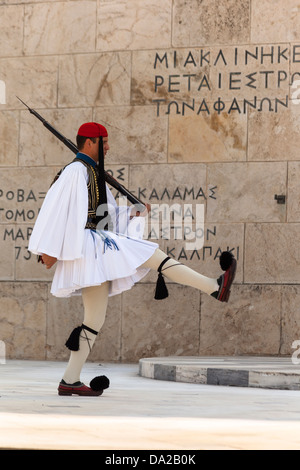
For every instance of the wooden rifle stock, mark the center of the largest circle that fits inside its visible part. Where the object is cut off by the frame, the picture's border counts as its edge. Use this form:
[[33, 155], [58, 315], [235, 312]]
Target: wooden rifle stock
[[68, 143]]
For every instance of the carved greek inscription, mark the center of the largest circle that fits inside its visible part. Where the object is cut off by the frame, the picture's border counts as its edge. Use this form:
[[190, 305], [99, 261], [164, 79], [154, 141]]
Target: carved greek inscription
[[252, 77]]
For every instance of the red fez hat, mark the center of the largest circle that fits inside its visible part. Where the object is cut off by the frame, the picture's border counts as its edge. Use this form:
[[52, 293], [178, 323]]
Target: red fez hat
[[92, 129]]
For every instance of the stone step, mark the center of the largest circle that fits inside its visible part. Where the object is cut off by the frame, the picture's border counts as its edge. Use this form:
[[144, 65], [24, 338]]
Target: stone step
[[246, 371]]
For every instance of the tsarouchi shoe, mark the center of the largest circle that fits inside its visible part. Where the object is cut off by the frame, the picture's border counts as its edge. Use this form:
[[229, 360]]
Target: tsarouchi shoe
[[78, 388]]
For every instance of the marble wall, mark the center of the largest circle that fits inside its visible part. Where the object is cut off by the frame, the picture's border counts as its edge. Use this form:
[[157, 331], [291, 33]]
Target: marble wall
[[201, 101]]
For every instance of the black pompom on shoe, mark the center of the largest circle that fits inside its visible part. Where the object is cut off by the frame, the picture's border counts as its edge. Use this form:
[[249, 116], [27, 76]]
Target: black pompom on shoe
[[228, 264], [226, 260], [99, 383]]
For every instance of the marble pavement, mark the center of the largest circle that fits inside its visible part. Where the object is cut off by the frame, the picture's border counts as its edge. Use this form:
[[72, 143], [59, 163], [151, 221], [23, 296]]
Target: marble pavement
[[140, 413]]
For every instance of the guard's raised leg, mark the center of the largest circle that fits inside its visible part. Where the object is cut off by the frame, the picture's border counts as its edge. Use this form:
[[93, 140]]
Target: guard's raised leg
[[181, 274]]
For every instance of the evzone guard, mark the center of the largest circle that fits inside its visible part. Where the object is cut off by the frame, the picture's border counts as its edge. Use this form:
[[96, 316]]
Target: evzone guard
[[102, 256]]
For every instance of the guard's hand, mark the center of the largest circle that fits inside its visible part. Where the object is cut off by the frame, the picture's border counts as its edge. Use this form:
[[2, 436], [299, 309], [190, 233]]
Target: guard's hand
[[135, 213], [48, 261]]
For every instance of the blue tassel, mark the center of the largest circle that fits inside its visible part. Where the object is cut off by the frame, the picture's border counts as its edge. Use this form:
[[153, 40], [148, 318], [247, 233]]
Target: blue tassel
[[108, 241]]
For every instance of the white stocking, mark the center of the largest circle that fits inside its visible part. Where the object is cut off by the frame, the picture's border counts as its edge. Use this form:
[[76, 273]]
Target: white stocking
[[181, 274]]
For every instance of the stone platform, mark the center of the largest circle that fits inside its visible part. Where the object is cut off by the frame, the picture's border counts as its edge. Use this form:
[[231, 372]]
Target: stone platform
[[259, 372]]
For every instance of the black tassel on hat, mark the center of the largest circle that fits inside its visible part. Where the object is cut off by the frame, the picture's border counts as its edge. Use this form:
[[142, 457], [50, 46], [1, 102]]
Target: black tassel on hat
[[161, 291], [101, 185], [73, 340]]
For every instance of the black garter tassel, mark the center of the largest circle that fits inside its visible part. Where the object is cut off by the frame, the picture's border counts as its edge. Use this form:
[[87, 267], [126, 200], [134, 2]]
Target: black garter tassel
[[73, 340], [161, 291]]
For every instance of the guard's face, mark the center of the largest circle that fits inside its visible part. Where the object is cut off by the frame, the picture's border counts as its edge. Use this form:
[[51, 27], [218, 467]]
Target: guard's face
[[95, 147], [105, 145]]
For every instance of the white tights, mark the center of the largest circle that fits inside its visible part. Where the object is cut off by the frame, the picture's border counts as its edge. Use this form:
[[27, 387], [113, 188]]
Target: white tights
[[181, 274], [95, 301]]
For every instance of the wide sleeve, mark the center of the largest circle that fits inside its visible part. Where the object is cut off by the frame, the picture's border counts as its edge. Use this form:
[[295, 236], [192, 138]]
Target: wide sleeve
[[60, 225], [120, 215]]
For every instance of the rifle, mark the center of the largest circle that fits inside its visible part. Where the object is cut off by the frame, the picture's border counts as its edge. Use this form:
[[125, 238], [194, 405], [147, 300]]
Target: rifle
[[108, 178]]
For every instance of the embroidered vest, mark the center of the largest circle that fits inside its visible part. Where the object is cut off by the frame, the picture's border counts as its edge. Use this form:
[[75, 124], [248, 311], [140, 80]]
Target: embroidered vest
[[93, 192]]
